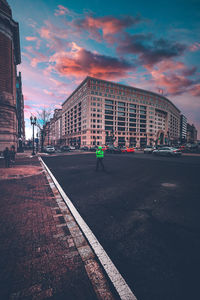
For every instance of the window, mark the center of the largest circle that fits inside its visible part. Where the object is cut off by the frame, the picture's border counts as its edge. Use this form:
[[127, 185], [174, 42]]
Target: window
[[121, 103], [121, 108], [109, 117], [108, 101], [121, 123], [109, 122], [109, 112], [132, 120], [121, 114], [109, 106]]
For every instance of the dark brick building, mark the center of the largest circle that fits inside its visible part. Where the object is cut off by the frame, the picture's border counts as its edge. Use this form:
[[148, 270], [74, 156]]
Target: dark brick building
[[10, 57]]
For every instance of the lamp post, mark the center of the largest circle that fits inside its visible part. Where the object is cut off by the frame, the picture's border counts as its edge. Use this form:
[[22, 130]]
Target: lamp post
[[33, 122]]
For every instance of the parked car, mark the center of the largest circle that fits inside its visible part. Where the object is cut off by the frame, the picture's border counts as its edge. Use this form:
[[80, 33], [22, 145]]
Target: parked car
[[49, 149], [114, 150], [167, 151], [85, 148], [64, 148], [127, 150], [94, 148], [149, 149], [72, 148]]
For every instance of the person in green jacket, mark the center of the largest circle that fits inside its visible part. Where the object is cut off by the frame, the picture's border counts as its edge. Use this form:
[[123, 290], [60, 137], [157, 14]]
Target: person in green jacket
[[99, 156]]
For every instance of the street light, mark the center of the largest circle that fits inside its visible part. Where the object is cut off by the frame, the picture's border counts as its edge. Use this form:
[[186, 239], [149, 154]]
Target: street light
[[33, 122]]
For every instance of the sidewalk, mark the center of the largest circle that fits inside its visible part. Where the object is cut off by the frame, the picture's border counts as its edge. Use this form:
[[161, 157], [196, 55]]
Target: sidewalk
[[43, 254]]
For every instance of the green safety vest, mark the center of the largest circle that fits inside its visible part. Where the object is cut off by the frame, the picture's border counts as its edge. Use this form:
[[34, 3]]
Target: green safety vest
[[99, 154]]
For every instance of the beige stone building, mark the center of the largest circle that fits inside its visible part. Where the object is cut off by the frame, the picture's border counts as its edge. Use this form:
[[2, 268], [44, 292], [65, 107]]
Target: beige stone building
[[99, 112]]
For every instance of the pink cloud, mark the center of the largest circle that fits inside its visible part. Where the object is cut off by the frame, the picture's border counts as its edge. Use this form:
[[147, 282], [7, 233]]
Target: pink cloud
[[80, 62], [195, 90], [31, 38], [61, 11], [195, 47], [38, 56], [107, 25]]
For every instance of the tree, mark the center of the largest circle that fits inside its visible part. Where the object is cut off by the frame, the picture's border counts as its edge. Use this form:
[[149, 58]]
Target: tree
[[43, 117]]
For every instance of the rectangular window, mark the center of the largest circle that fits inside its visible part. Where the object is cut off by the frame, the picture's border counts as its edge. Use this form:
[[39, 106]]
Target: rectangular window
[[108, 101], [132, 115], [121, 123], [121, 114], [109, 122], [121, 108], [132, 120], [121, 128], [121, 103], [108, 106], [109, 112]]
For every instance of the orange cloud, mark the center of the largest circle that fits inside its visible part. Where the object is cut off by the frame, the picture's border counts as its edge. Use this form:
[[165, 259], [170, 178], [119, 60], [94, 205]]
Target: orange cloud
[[31, 38], [80, 62]]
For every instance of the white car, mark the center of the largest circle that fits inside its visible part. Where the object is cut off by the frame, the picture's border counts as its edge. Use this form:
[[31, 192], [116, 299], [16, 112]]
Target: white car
[[167, 151], [72, 148], [149, 149], [49, 149]]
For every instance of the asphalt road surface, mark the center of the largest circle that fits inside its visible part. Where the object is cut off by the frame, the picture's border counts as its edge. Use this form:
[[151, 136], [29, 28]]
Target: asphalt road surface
[[145, 211]]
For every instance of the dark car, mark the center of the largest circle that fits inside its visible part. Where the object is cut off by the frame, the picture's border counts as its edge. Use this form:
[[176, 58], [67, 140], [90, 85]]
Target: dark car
[[64, 149], [94, 148], [114, 150], [85, 148]]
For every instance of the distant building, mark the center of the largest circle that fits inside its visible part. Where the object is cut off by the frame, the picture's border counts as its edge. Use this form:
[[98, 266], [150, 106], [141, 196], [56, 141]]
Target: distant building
[[191, 134], [56, 128], [10, 57], [100, 112], [183, 129], [20, 113]]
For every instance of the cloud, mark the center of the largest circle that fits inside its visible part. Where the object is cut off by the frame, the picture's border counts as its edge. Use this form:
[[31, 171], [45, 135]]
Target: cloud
[[38, 56], [61, 11], [195, 90], [31, 38], [80, 62], [104, 27], [149, 51], [195, 47]]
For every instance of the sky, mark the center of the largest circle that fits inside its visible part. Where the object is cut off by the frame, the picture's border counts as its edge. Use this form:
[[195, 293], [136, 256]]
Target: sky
[[153, 45]]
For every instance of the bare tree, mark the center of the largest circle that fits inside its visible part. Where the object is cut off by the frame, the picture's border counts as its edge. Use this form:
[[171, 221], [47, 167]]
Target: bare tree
[[43, 117]]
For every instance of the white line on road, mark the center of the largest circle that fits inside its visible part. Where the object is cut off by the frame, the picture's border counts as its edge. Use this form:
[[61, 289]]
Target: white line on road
[[116, 278]]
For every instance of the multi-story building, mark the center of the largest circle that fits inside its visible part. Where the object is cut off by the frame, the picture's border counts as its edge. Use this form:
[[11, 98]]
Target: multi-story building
[[183, 129], [10, 57], [20, 113], [191, 134], [99, 112], [55, 137]]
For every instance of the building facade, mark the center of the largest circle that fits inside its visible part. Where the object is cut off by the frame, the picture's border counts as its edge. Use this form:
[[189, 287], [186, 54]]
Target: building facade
[[100, 112], [10, 57], [55, 128], [183, 129], [20, 113], [191, 134]]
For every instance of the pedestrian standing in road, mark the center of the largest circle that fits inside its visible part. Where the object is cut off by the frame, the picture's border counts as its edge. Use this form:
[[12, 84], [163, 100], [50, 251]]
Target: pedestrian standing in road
[[12, 154], [6, 155], [100, 157]]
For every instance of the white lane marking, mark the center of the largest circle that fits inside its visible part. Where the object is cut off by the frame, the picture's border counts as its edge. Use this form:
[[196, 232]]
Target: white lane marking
[[116, 278]]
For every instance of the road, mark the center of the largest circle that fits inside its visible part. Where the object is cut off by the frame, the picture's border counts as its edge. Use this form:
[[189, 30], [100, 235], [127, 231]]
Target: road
[[145, 211]]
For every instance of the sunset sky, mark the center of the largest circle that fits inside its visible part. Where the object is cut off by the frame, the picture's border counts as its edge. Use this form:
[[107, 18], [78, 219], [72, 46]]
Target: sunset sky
[[152, 45]]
